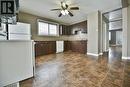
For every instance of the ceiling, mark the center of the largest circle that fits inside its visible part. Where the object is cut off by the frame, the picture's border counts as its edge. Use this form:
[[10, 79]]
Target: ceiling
[[42, 8]]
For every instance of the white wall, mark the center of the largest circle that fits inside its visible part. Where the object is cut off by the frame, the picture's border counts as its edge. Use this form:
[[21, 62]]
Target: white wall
[[94, 33], [126, 33], [100, 33], [118, 37], [105, 36], [125, 25]]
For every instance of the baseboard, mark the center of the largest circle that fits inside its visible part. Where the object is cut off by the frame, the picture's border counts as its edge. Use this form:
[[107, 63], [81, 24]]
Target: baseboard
[[13, 85], [125, 57], [60, 52], [95, 54]]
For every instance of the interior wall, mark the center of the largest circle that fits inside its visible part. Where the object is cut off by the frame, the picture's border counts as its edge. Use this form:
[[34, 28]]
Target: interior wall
[[32, 19], [100, 32], [118, 37], [107, 36], [105, 32], [94, 31], [126, 32]]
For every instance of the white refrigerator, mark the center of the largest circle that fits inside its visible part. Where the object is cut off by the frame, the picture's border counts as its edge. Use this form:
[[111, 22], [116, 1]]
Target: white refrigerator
[[3, 35], [17, 61], [21, 31]]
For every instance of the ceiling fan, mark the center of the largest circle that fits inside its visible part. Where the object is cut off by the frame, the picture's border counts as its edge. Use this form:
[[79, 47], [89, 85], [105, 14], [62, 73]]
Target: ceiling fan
[[65, 9]]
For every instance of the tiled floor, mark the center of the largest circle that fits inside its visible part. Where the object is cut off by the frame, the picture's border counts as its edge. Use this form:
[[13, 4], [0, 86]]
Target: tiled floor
[[71, 69]]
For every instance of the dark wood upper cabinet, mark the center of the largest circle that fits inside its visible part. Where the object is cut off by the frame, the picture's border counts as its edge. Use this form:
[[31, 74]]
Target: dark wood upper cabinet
[[82, 27], [64, 30], [73, 29]]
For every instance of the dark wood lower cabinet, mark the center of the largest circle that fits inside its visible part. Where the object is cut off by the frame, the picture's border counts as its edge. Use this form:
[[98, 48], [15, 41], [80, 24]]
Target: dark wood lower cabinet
[[67, 45], [79, 46], [76, 46], [49, 47], [45, 47]]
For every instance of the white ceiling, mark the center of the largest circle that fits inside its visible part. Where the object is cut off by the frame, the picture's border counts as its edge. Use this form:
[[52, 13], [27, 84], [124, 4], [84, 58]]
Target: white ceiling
[[43, 7]]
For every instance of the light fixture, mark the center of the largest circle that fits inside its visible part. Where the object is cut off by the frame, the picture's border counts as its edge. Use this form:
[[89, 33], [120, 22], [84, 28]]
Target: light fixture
[[65, 9], [66, 12], [63, 12]]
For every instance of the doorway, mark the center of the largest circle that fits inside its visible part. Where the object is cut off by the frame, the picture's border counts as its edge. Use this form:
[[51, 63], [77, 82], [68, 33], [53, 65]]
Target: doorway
[[112, 30]]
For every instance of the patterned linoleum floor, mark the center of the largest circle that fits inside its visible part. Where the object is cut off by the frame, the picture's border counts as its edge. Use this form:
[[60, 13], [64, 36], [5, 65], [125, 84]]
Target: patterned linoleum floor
[[70, 69]]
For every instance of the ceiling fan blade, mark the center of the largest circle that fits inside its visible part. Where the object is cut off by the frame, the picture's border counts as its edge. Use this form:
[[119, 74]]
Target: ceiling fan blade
[[64, 5], [74, 8], [70, 14], [60, 15], [55, 9]]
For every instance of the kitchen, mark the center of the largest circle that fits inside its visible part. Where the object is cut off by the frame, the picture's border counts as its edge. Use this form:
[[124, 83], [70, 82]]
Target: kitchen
[[72, 34], [68, 38], [61, 43]]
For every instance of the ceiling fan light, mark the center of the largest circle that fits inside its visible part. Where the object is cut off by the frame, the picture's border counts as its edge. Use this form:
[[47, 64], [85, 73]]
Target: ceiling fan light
[[66, 12], [63, 12]]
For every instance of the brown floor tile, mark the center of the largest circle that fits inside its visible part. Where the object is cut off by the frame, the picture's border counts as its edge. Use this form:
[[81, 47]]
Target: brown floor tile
[[70, 69]]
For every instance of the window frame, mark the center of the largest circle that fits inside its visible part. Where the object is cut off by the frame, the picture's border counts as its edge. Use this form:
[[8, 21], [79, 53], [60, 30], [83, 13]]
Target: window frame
[[49, 23]]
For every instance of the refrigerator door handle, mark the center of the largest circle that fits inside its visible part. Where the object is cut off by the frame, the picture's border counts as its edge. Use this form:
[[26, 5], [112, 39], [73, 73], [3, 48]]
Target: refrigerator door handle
[[2, 34]]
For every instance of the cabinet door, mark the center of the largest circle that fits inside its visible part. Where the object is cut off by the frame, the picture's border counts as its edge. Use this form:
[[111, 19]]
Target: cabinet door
[[79, 46], [60, 30], [49, 47], [37, 49], [53, 45], [65, 30], [68, 31], [44, 48], [67, 46]]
